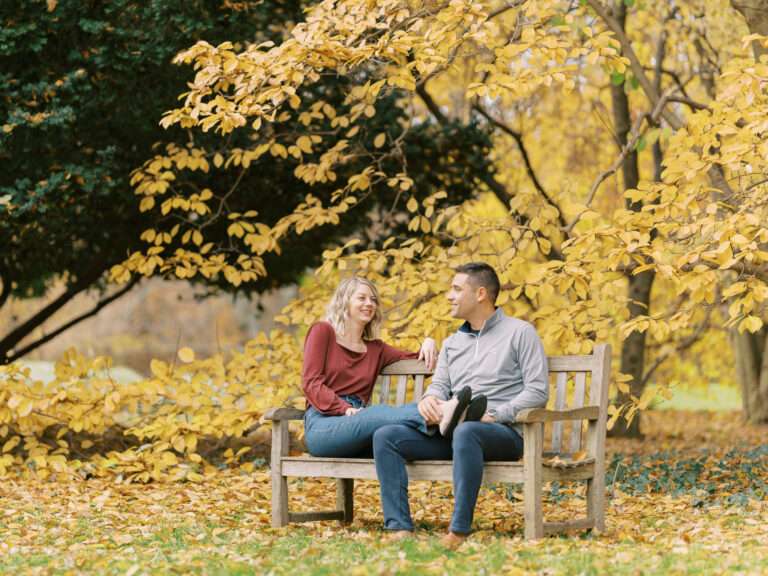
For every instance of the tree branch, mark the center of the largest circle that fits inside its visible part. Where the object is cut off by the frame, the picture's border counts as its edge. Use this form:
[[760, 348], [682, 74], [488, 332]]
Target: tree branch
[[499, 190], [637, 67], [20, 332], [626, 149], [92, 312], [5, 292], [518, 138], [683, 345]]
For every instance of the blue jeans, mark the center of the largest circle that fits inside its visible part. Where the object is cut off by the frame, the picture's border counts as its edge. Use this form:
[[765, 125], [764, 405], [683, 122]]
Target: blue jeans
[[352, 436], [473, 444]]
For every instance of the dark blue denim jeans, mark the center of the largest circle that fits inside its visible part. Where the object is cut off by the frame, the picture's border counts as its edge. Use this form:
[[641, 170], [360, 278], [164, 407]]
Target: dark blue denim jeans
[[473, 444], [352, 436]]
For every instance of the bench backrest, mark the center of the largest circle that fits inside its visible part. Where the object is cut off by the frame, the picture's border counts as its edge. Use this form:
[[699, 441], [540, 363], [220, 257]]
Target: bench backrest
[[573, 377]]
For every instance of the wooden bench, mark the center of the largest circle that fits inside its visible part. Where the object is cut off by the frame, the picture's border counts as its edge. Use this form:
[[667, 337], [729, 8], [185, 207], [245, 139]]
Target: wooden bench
[[579, 455]]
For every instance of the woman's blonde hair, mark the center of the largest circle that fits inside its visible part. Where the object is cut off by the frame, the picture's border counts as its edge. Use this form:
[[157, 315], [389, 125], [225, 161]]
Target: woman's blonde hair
[[338, 309]]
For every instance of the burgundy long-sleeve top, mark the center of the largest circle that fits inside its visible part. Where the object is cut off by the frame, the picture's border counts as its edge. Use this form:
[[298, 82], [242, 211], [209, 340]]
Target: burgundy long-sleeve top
[[331, 370]]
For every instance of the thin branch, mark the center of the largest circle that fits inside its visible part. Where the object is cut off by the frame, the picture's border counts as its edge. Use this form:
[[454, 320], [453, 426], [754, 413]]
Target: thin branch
[[518, 138], [692, 104], [20, 332], [5, 292], [683, 345], [637, 67], [739, 267], [92, 312], [499, 190], [630, 145], [501, 10]]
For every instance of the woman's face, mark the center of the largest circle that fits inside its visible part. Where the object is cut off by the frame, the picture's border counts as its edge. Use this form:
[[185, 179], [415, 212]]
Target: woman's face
[[362, 305]]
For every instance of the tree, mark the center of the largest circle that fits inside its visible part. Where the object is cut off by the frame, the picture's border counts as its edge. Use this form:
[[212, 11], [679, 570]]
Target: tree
[[83, 86], [577, 261]]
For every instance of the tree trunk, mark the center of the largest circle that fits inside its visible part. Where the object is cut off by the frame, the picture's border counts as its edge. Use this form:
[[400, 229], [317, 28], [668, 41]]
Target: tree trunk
[[755, 12], [751, 350], [639, 286]]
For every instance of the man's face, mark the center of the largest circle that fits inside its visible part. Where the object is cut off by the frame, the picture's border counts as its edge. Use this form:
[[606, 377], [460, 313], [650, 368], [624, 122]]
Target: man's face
[[462, 296]]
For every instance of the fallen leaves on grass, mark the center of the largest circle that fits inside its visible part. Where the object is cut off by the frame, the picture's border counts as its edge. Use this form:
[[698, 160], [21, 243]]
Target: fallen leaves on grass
[[223, 524]]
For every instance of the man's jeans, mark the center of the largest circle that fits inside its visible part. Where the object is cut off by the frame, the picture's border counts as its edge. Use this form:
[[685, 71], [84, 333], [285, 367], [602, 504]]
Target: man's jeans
[[351, 436], [473, 444]]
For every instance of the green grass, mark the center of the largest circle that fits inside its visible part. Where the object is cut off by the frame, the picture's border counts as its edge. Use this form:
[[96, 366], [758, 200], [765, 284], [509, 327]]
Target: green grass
[[194, 550], [714, 397]]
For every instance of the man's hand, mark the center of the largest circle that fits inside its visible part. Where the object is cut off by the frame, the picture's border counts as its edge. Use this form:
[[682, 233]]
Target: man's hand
[[351, 411], [430, 408], [428, 353], [488, 418]]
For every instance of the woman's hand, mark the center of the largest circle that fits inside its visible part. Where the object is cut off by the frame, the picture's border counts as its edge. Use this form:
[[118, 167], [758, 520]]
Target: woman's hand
[[351, 411], [428, 353]]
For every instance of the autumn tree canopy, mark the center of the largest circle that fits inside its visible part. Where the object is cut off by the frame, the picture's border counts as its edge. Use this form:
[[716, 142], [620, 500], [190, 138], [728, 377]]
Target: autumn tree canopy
[[626, 196], [82, 93]]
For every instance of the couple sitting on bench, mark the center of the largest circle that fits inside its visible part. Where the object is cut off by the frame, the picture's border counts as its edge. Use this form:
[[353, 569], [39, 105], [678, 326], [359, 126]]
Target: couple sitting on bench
[[493, 367]]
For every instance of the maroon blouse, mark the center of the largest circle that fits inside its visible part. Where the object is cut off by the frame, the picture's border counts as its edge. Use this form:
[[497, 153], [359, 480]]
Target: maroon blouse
[[331, 371]]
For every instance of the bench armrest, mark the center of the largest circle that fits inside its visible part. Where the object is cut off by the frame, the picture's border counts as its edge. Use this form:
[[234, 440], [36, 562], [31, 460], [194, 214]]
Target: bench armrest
[[285, 413], [532, 415]]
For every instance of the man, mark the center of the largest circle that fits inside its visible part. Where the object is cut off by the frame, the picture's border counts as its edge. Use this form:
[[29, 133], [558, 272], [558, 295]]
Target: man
[[494, 355]]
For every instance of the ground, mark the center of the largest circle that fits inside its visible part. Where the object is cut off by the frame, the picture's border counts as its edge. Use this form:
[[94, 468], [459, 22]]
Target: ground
[[688, 499]]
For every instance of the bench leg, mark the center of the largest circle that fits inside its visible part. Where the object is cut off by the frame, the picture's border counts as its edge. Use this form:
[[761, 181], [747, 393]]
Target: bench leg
[[279, 482], [532, 470], [344, 498], [596, 500]]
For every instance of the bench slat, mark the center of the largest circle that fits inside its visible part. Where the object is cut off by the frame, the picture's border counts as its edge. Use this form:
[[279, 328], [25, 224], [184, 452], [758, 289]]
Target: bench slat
[[580, 379], [384, 390], [571, 363], [365, 469], [406, 367], [580, 524], [402, 387], [418, 387], [557, 427], [314, 516]]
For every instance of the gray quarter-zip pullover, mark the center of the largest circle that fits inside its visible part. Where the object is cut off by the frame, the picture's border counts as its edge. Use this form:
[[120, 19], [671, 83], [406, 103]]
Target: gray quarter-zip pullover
[[505, 361]]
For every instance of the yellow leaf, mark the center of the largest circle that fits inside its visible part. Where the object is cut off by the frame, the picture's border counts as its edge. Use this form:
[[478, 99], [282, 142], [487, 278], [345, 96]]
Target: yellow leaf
[[380, 139], [186, 354], [412, 204], [751, 323], [11, 444], [52, 5]]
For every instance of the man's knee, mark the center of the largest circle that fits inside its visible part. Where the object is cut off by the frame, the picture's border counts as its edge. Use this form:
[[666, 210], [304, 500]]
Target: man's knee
[[385, 436], [465, 436]]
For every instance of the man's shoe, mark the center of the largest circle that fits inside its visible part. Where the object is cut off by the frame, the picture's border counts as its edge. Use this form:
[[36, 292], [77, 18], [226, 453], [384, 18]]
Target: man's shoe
[[453, 540], [454, 411], [476, 409], [398, 535]]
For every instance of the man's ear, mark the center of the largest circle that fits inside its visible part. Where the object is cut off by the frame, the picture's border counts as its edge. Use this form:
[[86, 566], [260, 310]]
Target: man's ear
[[482, 293]]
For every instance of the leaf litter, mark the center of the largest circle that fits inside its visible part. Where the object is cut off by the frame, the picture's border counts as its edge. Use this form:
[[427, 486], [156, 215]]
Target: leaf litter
[[688, 498]]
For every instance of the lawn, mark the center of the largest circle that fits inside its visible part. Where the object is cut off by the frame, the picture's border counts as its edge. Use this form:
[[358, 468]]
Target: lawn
[[688, 499]]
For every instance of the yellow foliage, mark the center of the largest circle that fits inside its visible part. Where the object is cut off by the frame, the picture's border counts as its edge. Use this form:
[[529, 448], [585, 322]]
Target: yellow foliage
[[175, 424]]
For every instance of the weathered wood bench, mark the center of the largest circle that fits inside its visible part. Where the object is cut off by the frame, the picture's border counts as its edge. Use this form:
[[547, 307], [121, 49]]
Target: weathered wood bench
[[579, 455]]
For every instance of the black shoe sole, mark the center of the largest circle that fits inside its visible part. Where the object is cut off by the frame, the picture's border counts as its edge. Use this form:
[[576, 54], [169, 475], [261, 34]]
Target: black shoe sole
[[476, 409]]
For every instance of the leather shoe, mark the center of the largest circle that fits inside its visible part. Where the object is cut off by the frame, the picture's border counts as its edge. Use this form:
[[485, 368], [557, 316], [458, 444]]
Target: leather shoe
[[453, 540], [398, 535]]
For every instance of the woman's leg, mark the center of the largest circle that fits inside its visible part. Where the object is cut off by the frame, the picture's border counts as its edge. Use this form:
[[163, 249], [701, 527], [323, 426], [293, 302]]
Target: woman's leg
[[351, 436]]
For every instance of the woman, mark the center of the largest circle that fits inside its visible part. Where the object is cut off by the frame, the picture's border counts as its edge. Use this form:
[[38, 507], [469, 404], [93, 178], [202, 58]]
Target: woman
[[342, 359]]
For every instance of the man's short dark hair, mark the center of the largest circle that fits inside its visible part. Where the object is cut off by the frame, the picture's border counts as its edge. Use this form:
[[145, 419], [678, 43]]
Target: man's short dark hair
[[482, 274]]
